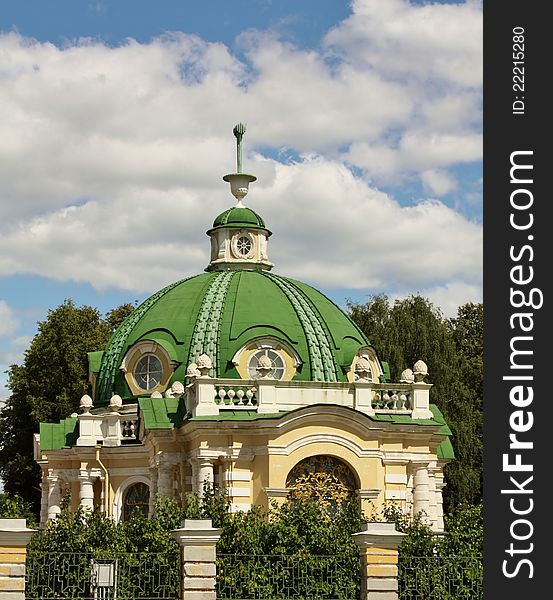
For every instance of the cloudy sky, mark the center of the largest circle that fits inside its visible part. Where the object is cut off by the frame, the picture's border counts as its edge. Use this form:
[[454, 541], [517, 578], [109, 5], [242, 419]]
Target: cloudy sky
[[364, 129]]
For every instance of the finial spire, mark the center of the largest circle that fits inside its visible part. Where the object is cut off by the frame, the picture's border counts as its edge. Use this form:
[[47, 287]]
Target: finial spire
[[239, 181], [239, 131]]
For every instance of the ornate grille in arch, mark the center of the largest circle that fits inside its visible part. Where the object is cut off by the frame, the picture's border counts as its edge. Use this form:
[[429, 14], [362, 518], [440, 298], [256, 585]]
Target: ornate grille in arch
[[325, 479], [136, 497]]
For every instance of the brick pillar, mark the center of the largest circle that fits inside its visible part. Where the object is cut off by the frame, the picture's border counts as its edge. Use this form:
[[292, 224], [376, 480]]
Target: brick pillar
[[14, 537], [378, 551], [198, 540]]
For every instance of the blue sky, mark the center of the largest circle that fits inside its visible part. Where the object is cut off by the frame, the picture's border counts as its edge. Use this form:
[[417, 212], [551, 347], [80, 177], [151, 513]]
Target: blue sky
[[364, 130]]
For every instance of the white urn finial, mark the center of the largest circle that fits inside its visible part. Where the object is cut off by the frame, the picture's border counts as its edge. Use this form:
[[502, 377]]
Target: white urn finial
[[204, 365], [86, 404], [264, 367], [363, 370], [115, 403], [407, 376], [192, 371], [420, 371]]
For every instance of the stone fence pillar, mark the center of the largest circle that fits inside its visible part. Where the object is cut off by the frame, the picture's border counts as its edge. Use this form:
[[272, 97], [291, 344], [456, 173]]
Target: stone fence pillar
[[14, 537], [198, 540], [378, 551]]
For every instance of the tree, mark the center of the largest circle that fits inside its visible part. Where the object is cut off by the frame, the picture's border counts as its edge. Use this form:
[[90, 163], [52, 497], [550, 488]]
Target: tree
[[413, 329], [48, 387]]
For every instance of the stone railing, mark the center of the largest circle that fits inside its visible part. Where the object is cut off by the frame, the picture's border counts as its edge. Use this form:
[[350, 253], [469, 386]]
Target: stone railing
[[228, 394], [112, 429], [129, 429], [395, 399], [210, 396]]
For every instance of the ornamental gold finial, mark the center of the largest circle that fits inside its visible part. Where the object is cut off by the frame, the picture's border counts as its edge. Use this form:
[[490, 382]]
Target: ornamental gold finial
[[239, 131]]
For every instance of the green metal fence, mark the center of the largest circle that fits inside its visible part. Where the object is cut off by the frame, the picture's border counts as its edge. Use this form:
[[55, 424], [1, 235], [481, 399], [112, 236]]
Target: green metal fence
[[440, 578], [83, 576], [268, 577]]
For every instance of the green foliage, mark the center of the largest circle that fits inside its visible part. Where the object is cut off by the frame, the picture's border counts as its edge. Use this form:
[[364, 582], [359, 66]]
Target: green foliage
[[14, 507], [147, 553], [445, 567], [47, 387], [258, 551], [413, 329]]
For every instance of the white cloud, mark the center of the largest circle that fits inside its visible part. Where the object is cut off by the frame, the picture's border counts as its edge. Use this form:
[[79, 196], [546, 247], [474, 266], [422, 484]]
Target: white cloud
[[346, 233], [433, 42], [437, 182], [111, 158], [8, 321], [452, 295], [14, 352]]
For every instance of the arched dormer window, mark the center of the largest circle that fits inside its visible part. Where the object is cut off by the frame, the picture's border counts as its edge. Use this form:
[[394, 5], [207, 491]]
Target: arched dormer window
[[365, 365], [147, 367], [284, 359]]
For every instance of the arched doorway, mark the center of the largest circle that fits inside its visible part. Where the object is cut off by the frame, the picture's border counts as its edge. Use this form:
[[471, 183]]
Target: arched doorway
[[325, 479]]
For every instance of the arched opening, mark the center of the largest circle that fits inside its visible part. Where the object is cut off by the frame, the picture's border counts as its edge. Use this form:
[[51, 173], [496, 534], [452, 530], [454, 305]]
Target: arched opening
[[135, 498], [325, 479]]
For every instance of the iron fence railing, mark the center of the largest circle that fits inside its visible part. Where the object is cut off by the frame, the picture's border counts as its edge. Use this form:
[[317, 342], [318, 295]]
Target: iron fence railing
[[84, 576], [440, 578], [276, 577]]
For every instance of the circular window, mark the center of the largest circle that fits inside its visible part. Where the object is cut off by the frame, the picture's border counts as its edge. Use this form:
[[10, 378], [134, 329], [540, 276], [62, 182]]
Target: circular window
[[243, 245], [148, 372], [277, 363]]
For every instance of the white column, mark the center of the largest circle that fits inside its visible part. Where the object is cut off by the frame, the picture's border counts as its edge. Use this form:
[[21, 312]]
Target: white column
[[165, 480], [440, 484], [44, 499], [153, 491], [86, 491], [202, 467], [433, 508], [54, 484], [421, 490]]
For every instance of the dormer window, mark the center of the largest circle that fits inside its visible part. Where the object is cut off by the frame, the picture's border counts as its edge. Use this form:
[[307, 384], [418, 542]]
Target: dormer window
[[147, 367], [365, 366], [277, 362], [148, 372], [284, 359]]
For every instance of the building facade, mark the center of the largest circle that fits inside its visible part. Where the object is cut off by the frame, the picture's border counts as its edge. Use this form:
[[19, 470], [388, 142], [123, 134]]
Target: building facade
[[251, 381]]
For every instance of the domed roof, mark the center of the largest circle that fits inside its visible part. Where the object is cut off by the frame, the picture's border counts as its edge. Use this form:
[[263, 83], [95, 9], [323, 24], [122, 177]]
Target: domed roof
[[239, 217], [219, 313]]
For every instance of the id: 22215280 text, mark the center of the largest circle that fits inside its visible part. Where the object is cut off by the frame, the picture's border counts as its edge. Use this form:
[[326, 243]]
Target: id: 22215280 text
[[518, 70]]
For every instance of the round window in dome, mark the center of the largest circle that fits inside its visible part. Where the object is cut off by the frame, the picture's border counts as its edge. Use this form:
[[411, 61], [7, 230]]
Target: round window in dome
[[242, 245], [277, 363], [148, 372]]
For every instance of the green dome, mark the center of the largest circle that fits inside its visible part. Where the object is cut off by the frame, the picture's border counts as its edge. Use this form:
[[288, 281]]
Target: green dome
[[219, 313], [239, 217]]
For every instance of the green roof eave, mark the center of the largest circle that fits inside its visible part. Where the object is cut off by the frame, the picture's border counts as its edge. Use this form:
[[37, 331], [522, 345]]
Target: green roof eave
[[445, 450], [161, 413], [437, 419], [239, 415], [55, 436], [94, 361]]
